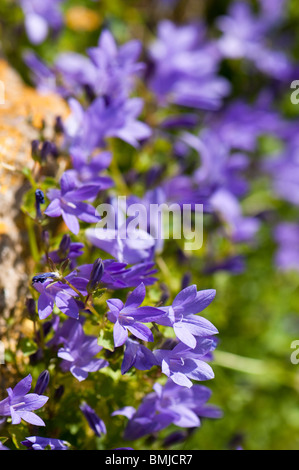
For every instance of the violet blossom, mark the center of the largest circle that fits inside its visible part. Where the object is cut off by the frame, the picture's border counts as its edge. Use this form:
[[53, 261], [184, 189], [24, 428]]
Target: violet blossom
[[283, 168], [185, 67], [44, 443], [42, 382], [184, 364], [286, 235], [40, 17], [116, 67], [115, 276], [245, 35], [88, 129], [78, 351], [182, 315], [106, 70], [240, 227], [58, 294], [137, 355], [125, 248], [168, 404], [87, 170], [95, 423], [66, 250], [131, 317], [240, 124], [67, 202], [20, 404]]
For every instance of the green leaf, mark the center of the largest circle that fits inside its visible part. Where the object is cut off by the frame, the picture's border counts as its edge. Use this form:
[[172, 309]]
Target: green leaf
[[105, 339], [27, 346], [15, 441]]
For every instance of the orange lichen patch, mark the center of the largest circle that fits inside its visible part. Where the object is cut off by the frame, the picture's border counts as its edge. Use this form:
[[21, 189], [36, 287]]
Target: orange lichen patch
[[3, 228], [79, 18]]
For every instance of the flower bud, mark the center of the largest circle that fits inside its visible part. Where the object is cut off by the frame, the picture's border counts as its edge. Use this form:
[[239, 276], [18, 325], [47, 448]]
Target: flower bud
[[58, 393], [96, 275], [59, 127], [95, 423], [42, 382], [47, 149], [64, 246], [39, 199], [43, 277], [35, 153], [30, 305]]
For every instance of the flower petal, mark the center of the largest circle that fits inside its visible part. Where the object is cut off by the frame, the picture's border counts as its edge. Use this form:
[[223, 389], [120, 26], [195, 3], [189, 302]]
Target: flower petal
[[54, 209], [120, 334]]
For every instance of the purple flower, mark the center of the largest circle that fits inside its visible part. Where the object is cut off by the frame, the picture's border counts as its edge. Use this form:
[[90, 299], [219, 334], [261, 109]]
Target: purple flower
[[245, 35], [95, 276], [43, 443], [20, 404], [74, 72], [107, 71], [67, 202], [39, 199], [39, 17], [66, 250], [240, 228], [181, 363], [181, 315], [167, 405], [43, 77], [57, 294], [130, 317], [219, 167], [241, 124], [115, 276], [133, 276], [284, 170], [116, 67], [87, 170], [42, 382], [137, 355], [78, 353], [233, 264], [184, 364], [286, 235], [104, 118], [61, 330], [273, 12], [125, 248], [95, 423], [185, 68], [3, 447], [43, 277], [182, 189]]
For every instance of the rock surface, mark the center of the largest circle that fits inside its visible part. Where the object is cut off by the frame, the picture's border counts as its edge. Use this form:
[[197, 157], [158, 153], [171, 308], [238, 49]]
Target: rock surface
[[22, 113]]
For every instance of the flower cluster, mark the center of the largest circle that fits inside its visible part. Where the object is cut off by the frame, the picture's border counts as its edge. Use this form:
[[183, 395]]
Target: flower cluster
[[158, 122]]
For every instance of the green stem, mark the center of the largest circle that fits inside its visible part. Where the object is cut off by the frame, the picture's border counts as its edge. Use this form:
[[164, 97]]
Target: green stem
[[117, 176], [32, 239], [242, 364], [65, 281], [268, 370], [90, 307]]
